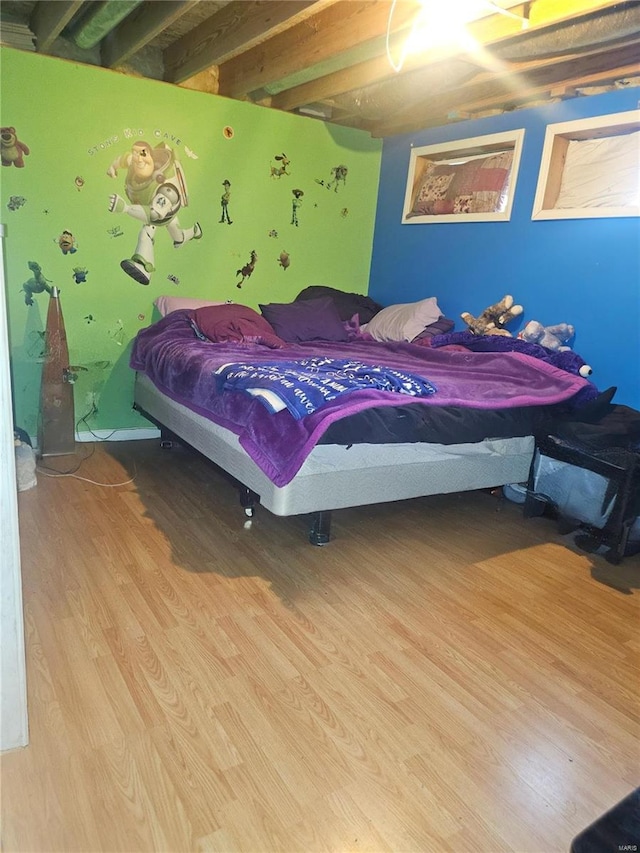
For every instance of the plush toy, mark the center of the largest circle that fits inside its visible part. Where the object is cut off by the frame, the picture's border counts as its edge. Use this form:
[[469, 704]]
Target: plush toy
[[552, 337], [555, 338], [494, 318], [11, 148]]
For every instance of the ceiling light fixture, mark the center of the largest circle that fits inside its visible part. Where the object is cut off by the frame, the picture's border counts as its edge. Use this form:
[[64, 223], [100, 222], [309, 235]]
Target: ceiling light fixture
[[442, 25]]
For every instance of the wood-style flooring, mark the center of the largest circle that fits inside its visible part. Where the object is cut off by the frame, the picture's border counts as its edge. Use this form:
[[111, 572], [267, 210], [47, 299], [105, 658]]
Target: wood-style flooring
[[443, 676]]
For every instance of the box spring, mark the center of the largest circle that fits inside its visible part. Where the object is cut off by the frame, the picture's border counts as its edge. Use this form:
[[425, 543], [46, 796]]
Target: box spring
[[335, 476]]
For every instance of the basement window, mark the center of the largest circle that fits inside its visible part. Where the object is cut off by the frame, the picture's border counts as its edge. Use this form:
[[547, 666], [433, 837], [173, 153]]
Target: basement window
[[590, 169], [468, 180]]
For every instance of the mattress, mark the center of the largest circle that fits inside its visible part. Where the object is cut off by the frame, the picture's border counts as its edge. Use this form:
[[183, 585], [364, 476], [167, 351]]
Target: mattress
[[338, 476]]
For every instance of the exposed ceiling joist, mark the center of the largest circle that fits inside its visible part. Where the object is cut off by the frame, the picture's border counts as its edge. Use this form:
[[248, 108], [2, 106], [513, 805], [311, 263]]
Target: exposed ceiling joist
[[49, 19], [519, 84], [237, 28], [331, 59], [332, 31], [141, 27]]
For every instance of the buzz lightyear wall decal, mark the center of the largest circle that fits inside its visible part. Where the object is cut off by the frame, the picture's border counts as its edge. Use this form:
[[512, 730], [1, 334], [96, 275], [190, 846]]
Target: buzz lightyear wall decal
[[156, 189], [224, 203], [295, 204]]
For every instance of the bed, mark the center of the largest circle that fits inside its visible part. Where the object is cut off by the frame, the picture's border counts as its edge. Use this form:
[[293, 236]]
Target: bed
[[461, 420]]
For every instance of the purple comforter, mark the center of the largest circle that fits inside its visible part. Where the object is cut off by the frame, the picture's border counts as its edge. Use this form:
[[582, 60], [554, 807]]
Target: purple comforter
[[182, 367]]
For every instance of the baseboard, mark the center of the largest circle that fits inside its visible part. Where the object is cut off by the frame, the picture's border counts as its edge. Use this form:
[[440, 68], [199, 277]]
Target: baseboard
[[109, 435], [117, 434]]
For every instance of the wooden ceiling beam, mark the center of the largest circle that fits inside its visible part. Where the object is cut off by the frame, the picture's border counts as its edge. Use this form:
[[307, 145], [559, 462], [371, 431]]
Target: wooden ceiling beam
[[520, 84], [49, 19], [239, 26], [335, 30], [490, 31], [140, 28], [378, 70]]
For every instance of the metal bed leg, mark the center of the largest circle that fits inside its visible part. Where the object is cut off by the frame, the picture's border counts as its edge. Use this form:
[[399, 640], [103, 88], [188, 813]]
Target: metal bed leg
[[248, 500], [320, 532], [167, 439]]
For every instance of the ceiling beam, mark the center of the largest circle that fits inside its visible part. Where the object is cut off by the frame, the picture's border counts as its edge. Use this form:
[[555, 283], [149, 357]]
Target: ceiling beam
[[521, 83], [141, 27], [493, 30], [239, 26], [332, 31], [378, 70], [49, 19]]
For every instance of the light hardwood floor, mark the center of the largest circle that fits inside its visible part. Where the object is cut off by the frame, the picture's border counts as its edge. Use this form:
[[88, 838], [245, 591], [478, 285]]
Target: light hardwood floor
[[444, 676]]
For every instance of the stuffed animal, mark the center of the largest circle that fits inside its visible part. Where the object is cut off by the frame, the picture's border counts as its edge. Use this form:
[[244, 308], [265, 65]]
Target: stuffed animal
[[494, 318], [556, 338], [552, 337]]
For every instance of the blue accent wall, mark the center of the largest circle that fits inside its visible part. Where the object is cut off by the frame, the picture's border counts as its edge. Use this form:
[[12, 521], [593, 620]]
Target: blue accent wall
[[585, 272]]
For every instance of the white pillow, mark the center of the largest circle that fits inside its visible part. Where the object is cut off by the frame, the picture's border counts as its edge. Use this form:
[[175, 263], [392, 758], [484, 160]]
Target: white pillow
[[601, 173], [403, 322], [167, 304]]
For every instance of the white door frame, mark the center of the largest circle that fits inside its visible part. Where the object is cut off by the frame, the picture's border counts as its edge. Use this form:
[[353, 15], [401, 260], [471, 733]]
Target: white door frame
[[14, 727]]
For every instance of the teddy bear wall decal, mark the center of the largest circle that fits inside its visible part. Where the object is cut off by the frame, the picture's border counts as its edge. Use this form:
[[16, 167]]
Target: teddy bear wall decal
[[12, 151]]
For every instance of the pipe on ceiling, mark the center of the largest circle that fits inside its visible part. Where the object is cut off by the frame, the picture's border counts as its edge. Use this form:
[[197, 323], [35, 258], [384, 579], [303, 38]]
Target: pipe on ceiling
[[93, 27]]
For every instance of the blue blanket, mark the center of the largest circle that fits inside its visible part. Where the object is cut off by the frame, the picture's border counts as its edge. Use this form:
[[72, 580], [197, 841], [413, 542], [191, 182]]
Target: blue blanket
[[303, 385]]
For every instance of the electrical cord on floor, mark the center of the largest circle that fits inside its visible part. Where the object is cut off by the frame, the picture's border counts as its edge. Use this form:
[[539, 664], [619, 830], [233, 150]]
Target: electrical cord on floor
[[83, 420], [54, 472]]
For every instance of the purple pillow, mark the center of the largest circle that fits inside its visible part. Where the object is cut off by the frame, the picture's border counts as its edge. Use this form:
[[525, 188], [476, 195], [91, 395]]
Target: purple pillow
[[307, 320], [232, 322]]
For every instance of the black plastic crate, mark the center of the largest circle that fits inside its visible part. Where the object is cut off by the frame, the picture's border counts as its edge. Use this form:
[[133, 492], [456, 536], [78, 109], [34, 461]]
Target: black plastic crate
[[596, 493]]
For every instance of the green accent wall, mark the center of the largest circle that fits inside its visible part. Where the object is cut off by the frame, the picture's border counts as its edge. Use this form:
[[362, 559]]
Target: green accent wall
[[76, 121]]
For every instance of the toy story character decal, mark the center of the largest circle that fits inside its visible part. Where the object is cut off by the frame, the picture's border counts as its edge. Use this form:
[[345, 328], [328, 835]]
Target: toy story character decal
[[36, 284], [224, 203], [338, 177], [284, 260], [297, 201], [12, 151], [67, 243], [156, 189], [16, 202], [279, 171], [247, 270]]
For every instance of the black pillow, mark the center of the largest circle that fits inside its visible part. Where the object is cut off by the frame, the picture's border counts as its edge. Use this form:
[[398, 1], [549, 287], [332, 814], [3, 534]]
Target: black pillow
[[347, 304]]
